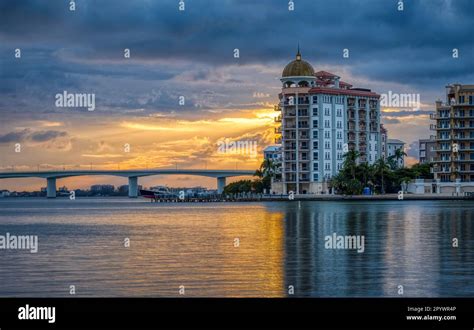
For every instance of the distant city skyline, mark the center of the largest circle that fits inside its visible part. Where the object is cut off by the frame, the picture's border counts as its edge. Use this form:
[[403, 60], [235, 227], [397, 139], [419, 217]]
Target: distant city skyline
[[183, 90]]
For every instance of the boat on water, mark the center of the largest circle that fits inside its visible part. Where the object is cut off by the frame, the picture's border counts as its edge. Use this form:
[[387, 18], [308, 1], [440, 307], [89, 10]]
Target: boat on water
[[157, 193]]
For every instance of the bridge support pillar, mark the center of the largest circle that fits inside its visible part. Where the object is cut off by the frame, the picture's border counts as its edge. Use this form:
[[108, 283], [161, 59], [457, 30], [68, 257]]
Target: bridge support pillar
[[51, 187], [220, 185], [133, 187]]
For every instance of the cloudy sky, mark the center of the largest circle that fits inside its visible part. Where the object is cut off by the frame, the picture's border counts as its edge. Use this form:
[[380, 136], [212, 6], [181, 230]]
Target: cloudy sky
[[190, 54]]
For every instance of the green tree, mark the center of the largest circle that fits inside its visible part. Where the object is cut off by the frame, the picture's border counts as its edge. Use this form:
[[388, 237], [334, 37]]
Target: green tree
[[396, 157], [350, 162], [381, 169]]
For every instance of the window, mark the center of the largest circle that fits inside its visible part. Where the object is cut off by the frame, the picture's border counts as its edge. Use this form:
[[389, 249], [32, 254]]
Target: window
[[315, 167], [339, 124], [315, 145], [327, 124], [339, 146], [315, 123], [315, 134], [315, 155], [327, 134], [316, 176], [327, 155], [327, 112], [315, 99], [339, 135], [339, 113], [327, 166], [315, 111], [327, 145]]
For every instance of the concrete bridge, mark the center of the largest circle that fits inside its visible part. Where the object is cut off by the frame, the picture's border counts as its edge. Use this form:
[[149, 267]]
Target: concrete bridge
[[132, 176]]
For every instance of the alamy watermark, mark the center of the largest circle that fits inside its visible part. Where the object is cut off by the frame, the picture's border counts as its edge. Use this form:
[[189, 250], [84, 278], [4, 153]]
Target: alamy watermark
[[75, 100], [348, 242], [400, 100], [19, 242], [241, 147]]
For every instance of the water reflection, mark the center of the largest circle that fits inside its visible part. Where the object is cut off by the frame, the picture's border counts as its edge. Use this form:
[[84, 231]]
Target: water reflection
[[280, 244], [406, 243]]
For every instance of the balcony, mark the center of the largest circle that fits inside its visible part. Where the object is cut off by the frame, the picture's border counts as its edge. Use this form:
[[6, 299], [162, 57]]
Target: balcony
[[277, 130], [278, 140], [278, 119], [442, 160], [289, 128], [303, 137], [444, 138], [464, 127], [277, 107]]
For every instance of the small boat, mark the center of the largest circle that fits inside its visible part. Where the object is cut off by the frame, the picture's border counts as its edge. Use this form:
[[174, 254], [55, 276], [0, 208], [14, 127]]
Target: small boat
[[157, 192]]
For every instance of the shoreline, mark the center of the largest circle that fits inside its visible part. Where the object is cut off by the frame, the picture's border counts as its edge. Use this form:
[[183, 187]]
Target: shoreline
[[274, 198]]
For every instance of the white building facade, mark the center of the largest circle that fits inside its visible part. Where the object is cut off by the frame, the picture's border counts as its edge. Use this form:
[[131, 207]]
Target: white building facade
[[322, 118]]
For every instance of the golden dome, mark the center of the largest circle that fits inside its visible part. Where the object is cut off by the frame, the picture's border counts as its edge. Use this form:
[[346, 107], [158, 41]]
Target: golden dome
[[298, 68]]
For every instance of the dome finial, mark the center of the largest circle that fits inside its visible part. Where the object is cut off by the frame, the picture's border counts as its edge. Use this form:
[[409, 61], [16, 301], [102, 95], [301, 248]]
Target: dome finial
[[298, 55]]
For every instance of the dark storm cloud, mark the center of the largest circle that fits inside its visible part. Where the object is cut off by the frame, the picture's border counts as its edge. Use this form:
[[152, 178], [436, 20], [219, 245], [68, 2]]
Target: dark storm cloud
[[43, 136], [83, 50], [406, 113], [28, 135], [14, 136]]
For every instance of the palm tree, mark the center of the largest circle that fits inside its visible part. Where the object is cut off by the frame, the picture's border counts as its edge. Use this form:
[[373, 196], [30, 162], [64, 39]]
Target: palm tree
[[258, 173], [367, 173], [350, 161], [399, 154], [381, 166], [268, 168]]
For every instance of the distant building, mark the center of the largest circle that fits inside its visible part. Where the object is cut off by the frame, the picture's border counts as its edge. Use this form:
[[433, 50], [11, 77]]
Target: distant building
[[4, 193], [426, 150], [273, 153], [102, 189], [392, 146], [123, 189], [384, 137], [454, 160]]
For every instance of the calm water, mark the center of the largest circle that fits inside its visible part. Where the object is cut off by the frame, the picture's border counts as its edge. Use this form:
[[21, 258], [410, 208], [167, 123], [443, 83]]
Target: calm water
[[81, 243]]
